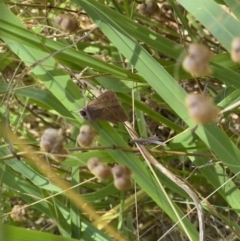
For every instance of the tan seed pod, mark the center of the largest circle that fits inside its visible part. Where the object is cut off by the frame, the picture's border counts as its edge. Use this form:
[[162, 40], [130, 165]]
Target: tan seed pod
[[123, 183], [199, 52], [87, 136], [121, 171], [149, 8], [61, 155], [52, 140], [196, 68], [93, 163], [235, 50], [99, 169], [19, 213], [201, 108], [66, 22], [197, 60]]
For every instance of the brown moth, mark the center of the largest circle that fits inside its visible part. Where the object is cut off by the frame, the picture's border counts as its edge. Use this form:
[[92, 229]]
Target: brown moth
[[105, 107]]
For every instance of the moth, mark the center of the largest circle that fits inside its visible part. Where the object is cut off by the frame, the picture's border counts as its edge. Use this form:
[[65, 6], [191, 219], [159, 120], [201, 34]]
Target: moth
[[106, 107]]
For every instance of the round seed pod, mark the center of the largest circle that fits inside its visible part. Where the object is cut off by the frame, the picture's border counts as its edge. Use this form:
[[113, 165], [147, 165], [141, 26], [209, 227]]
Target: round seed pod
[[87, 136], [122, 183], [149, 8], [99, 169], [19, 213], [199, 52], [93, 163], [122, 177], [121, 171], [51, 140], [196, 68], [61, 155], [197, 61], [66, 22], [201, 108], [235, 50]]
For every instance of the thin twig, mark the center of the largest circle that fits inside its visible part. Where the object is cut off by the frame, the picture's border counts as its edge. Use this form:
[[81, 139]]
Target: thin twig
[[123, 148]]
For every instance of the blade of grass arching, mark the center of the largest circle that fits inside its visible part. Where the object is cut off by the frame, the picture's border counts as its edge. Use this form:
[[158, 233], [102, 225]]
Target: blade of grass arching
[[13, 31], [110, 190], [164, 45], [100, 194], [221, 24], [31, 194], [165, 86], [20, 234], [56, 81], [217, 177], [224, 59], [234, 7], [45, 98], [140, 173], [74, 211], [230, 99], [41, 97], [164, 29], [156, 41], [114, 84], [226, 75], [28, 192], [30, 174]]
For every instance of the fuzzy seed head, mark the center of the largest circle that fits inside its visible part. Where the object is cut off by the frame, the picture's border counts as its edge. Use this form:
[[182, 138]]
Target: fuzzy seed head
[[201, 108], [121, 171], [235, 50], [66, 22], [122, 183], [199, 52], [19, 213], [99, 169], [51, 140], [197, 61], [93, 163], [196, 68], [102, 171], [46, 145], [149, 8], [87, 136]]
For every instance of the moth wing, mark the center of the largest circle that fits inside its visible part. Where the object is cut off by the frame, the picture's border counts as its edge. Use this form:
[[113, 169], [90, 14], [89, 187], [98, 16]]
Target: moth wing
[[106, 107], [105, 98], [112, 113]]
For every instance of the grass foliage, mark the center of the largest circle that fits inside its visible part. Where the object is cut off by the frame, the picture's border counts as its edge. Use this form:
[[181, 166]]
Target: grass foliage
[[139, 58]]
